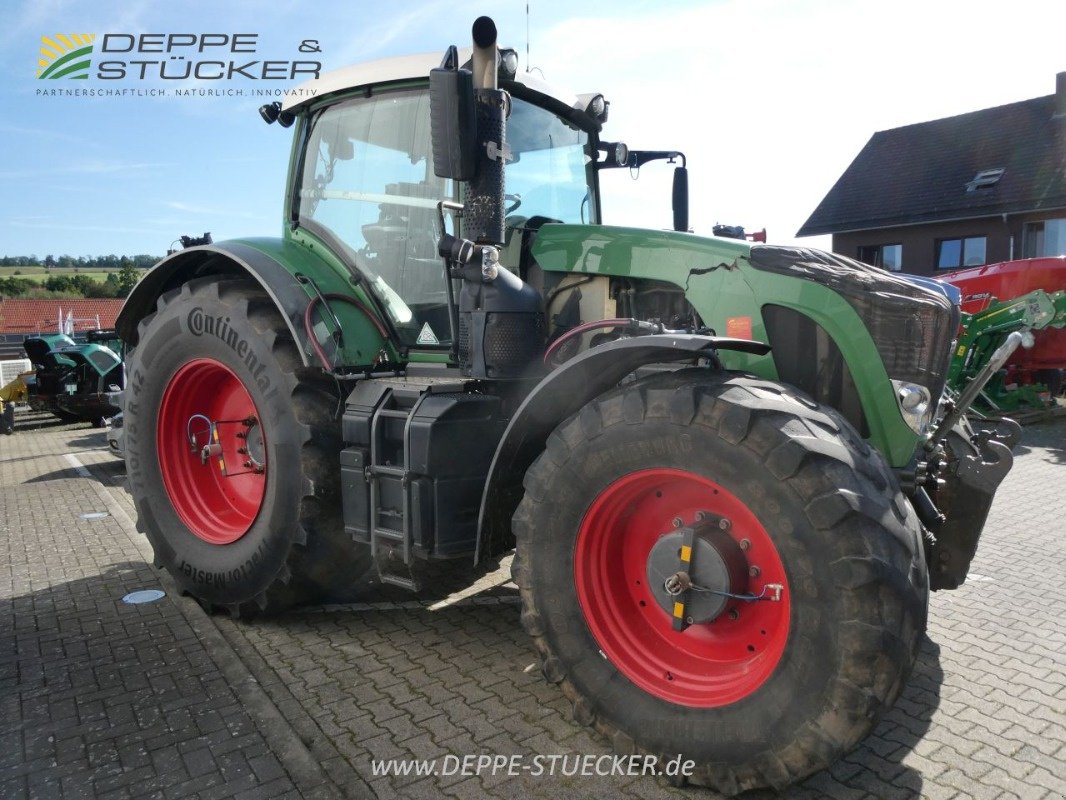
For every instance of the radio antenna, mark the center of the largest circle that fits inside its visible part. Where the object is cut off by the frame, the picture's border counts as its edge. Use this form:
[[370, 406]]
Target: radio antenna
[[527, 35]]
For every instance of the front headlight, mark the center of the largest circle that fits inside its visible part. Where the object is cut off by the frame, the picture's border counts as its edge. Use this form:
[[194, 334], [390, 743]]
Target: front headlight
[[915, 404]]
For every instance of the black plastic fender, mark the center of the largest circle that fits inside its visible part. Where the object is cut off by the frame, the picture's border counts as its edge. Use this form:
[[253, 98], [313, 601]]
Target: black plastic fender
[[561, 393], [223, 258]]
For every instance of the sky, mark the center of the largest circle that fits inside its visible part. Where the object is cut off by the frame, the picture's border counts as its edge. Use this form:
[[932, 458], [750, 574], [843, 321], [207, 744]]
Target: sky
[[770, 100]]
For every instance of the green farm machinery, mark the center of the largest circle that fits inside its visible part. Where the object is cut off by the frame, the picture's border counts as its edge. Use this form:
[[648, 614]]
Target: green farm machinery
[[1028, 296]]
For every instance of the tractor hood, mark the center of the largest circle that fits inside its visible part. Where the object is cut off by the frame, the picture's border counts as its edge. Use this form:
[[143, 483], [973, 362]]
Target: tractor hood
[[99, 358], [886, 327], [911, 323], [37, 347]]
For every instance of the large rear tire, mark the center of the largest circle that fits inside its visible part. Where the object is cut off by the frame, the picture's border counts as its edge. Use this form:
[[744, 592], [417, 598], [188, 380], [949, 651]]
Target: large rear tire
[[254, 525], [766, 692]]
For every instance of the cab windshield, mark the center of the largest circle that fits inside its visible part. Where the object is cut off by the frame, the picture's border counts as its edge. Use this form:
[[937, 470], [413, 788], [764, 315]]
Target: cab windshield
[[367, 181]]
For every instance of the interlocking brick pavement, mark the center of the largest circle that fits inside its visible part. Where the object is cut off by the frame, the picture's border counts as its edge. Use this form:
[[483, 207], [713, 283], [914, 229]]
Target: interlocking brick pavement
[[450, 672], [107, 700]]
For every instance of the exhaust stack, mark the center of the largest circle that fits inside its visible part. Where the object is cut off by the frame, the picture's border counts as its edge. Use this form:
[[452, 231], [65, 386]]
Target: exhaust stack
[[483, 210], [485, 53]]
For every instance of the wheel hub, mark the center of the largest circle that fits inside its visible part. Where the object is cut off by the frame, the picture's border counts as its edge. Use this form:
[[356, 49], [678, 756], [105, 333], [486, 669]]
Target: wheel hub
[[715, 569], [212, 451], [626, 551], [206, 438]]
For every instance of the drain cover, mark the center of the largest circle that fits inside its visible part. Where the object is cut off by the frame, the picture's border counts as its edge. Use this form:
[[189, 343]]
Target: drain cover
[[144, 596], [95, 515]]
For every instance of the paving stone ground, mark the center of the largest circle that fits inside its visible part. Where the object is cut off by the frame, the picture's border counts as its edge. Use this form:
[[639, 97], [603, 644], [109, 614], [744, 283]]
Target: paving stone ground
[[101, 699]]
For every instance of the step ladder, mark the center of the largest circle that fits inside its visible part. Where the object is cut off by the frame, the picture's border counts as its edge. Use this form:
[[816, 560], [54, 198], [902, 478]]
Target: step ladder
[[392, 543]]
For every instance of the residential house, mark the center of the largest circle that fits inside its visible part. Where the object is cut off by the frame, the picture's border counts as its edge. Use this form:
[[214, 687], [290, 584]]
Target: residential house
[[978, 188]]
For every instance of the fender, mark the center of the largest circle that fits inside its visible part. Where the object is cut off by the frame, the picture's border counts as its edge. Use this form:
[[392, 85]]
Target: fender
[[560, 394], [222, 258]]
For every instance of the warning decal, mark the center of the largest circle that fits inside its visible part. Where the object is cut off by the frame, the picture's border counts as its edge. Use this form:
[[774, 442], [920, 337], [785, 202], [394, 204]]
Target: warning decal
[[427, 336]]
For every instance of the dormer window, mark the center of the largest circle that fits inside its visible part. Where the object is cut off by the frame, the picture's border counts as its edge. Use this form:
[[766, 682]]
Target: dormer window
[[985, 179]]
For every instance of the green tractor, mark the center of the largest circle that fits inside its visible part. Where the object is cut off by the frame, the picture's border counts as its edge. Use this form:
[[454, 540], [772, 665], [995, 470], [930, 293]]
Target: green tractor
[[719, 463], [76, 382]]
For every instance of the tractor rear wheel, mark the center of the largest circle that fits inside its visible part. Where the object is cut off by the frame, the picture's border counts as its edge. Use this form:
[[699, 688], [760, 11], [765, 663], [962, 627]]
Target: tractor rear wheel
[[232, 451], [808, 585]]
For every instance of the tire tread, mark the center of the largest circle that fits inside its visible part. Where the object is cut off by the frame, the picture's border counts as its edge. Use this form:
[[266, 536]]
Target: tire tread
[[760, 415]]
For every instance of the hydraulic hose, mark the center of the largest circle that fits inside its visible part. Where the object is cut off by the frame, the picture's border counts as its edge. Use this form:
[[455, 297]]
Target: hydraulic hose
[[309, 325]]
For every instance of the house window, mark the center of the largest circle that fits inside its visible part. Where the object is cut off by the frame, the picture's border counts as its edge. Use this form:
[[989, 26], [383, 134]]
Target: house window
[[985, 179], [966, 252], [1047, 238], [886, 256]]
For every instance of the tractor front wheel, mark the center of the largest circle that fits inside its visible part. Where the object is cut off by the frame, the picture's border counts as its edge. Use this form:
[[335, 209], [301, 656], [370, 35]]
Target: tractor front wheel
[[715, 566], [232, 451]]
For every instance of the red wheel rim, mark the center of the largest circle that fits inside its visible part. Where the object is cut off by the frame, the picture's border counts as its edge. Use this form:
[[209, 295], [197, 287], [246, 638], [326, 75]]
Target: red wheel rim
[[708, 664], [218, 500]]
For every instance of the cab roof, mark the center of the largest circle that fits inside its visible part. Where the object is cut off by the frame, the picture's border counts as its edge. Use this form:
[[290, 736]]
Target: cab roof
[[405, 68]]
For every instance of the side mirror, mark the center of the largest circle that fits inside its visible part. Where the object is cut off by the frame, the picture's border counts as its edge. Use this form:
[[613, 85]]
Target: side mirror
[[680, 198], [453, 124]]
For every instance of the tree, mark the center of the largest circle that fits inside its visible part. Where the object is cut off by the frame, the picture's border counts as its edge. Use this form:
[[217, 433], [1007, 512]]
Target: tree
[[58, 283], [99, 289], [127, 279]]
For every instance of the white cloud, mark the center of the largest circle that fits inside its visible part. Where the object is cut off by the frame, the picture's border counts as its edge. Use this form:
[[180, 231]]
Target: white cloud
[[90, 167], [43, 224], [194, 208]]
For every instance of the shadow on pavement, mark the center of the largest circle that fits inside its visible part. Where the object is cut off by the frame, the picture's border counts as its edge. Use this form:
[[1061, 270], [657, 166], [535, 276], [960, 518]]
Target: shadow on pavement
[[36, 423], [55, 475], [101, 698], [1047, 435], [97, 440], [369, 671]]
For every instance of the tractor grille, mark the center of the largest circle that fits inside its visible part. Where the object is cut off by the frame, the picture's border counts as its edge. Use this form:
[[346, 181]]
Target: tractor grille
[[912, 327], [464, 341]]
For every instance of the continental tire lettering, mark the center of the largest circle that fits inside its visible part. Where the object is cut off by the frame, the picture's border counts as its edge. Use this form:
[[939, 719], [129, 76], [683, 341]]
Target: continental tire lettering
[[200, 324], [195, 321]]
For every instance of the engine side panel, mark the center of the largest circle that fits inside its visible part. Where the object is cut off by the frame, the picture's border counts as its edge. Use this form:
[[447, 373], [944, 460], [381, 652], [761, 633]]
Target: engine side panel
[[728, 293]]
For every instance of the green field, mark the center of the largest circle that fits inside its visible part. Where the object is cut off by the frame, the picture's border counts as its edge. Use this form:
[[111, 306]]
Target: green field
[[40, 274]]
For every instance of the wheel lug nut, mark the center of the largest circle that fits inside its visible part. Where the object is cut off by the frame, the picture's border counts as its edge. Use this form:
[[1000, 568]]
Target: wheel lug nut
[[745, 544], [754, 571], [734, 614], [724, 524], [678, 522]]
